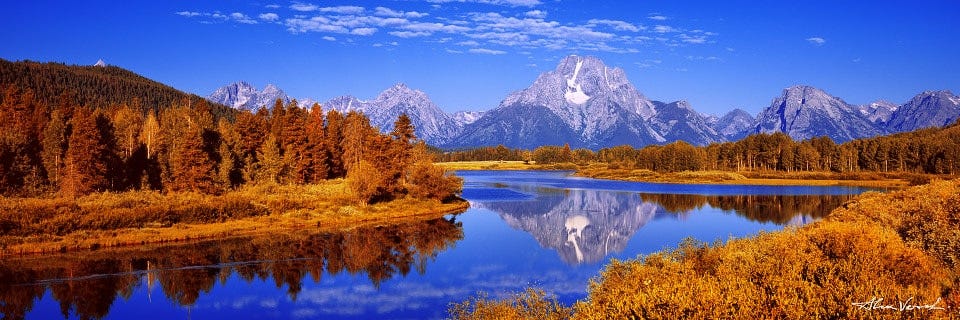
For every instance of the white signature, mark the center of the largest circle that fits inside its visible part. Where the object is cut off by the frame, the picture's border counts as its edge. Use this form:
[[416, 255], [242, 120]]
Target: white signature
[[908, 305]]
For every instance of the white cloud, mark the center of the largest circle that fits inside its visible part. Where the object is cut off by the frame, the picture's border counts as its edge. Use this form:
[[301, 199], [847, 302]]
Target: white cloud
[[303, 7], [363, 31], [343, 9], [509, 3], [434, 27], [486, 51], [270, 16], [616, 24], [540, 14], [454, 51], [272, 6], [409, 34], [663, 29], [329, 38], [493, 32], [817, 41], [242, 18], [188, 14], [694, 39], [387, 12]]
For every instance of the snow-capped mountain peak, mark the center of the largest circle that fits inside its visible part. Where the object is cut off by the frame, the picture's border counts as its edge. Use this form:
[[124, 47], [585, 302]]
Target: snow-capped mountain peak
[[244, 96]]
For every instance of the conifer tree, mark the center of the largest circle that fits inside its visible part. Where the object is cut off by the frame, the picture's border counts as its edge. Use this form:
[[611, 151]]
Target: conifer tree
[[333, 135], [54, 143], [316, 144], [85, 168], [192, 167], [270, 165]]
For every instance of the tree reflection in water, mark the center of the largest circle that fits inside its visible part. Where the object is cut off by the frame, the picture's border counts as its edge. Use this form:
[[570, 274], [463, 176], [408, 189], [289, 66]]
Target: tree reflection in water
[[87, 283], [585, 226], [778, 209]]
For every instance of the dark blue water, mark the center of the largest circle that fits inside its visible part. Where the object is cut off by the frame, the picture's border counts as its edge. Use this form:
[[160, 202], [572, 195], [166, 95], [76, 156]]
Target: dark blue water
[[525, 229]]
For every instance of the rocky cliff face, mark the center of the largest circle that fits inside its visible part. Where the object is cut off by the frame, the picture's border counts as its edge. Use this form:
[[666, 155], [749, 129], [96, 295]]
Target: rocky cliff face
[[243, 96], [431, 124], [587, 104], [805, 112], [927, 109]]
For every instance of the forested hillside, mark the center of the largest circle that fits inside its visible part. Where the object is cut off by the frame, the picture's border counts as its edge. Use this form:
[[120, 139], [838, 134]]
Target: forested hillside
[[56, 84], [70, 131]]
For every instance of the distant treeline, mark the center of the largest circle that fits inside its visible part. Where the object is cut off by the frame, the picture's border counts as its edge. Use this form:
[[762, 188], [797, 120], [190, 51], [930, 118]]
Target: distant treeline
[[933, 150], [71, 149]]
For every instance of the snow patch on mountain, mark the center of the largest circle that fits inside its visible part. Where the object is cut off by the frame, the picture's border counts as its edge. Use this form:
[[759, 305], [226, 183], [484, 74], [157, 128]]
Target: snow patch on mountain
[[574, 92]]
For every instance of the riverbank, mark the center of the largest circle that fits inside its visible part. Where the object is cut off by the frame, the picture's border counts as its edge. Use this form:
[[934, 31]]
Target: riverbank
[[604, 171], [743, 178], [31, 226], [895, 249]]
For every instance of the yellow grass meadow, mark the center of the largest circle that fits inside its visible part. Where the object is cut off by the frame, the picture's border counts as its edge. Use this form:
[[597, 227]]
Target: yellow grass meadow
[[32, 225]]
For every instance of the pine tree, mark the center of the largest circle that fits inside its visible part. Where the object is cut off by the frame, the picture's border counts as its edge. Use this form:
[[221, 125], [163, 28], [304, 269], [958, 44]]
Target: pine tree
[[192, 167], [270, 165], [333, 135], [85, 170], [296, 154], [54, 143], [316, 144]]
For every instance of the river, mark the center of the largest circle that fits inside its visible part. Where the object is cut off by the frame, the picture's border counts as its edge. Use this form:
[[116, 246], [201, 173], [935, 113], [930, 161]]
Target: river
[[542, 229]]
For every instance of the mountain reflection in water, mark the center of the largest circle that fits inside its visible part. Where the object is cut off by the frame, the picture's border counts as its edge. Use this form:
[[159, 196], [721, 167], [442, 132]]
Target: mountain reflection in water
[[586, 225], [86, 284]]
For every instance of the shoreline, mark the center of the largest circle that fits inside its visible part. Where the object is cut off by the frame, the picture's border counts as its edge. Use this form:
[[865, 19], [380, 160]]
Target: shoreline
[[685, 177], [283, 212]]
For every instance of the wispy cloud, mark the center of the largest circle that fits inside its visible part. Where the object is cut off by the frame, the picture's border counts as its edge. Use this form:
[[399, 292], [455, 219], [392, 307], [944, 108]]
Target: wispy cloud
[[492, 32], [663, 29], [188, 13], [817, 41], [616, 24], [409, 34], [242, 18], [509, 3], [657, 17], [269, 17], [486, 51], [387, 12], [539, 14], [303, 7], [343, 9]]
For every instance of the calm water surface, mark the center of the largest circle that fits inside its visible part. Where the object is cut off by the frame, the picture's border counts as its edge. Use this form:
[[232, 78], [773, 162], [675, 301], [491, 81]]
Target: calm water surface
[[524, 229]]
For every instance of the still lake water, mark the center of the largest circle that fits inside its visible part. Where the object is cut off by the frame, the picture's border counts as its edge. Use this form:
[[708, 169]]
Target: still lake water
[[524, 229]]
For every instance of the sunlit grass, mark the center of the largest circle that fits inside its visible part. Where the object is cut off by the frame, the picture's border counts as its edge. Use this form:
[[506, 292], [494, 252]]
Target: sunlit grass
[[901, 247], [32, 225], [614, 172]]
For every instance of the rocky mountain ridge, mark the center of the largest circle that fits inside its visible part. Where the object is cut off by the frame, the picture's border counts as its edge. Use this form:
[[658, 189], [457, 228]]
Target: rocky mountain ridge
[[586, 104]]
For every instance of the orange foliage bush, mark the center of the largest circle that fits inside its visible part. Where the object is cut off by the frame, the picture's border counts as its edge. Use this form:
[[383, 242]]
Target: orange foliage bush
[[901, 247]]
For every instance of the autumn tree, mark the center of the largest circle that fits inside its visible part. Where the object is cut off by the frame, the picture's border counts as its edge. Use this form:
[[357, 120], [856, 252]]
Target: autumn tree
[[54, 143], [192, 167], [333, 137], [296, 152], [86, 168], [270, 166], [316, 144]]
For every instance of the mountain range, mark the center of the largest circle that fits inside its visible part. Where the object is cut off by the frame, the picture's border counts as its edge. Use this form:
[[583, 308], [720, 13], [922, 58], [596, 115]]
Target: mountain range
[[586, 104]]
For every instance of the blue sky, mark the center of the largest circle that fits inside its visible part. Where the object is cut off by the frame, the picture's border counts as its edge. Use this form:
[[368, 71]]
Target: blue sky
[[469, 54]]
